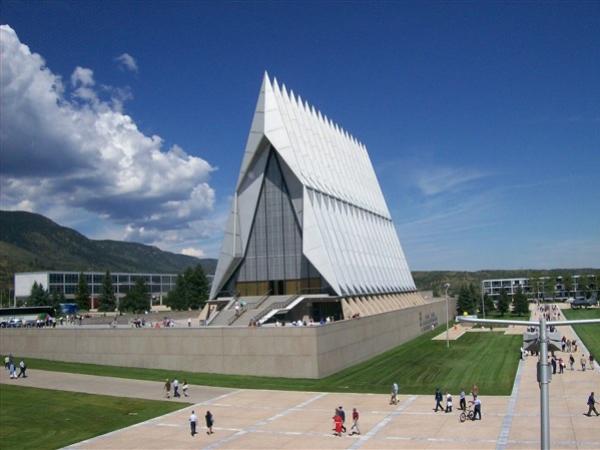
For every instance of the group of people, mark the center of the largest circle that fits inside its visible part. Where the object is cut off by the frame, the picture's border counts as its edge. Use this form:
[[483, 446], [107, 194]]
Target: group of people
[[339, 420], [476, 401], [175, 385], [9, 365], [209, 419]]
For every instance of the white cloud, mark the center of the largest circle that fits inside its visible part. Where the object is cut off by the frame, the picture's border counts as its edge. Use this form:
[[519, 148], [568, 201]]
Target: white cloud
[[442, 179], [191, 251], [76, 150], [128, 62]]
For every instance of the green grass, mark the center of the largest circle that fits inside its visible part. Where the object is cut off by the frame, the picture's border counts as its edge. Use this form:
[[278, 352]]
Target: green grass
[[46, 419], [419, 366], [589, 334]]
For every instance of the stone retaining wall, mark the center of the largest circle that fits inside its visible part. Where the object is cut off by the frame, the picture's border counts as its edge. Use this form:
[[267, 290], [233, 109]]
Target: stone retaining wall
[[305, 352]]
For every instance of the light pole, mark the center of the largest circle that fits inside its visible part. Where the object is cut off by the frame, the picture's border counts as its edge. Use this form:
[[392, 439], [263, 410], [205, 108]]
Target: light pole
[[447, 286]]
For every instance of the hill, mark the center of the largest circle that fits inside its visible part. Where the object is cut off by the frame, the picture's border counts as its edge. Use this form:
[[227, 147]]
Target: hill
[[30, 242]]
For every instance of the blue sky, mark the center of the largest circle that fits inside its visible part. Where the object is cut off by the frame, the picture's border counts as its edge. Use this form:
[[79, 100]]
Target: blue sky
[[482, 119]]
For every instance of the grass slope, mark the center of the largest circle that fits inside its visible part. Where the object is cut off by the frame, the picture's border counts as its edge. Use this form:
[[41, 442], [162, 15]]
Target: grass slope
[[589, 334], [47, 419], [419, 366]]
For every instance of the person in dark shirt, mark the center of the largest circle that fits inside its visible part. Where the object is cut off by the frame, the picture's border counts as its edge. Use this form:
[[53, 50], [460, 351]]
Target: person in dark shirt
[[592, 405], [438, 400]]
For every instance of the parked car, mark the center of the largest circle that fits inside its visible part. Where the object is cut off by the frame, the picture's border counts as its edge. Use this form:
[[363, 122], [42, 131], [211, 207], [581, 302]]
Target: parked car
[[582, 302]]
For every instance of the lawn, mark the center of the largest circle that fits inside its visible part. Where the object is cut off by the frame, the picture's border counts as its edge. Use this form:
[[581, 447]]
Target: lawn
[[46, 419], [589, 334], [419, 366]]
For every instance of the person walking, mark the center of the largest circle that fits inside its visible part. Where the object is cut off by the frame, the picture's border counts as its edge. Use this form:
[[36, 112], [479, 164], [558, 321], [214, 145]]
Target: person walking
[[583, 361], [342, 414], [463, 400], [571, 361], [210, 421], [553, 362], [184, 388], [168, 388], [193, 422], [354, 430], [448, 402], [394, 397], [476, 407], [11, 369], [176, 393], [22, 369], [438, 400], [6, 362], [591, 405], [561, 365], [337, 424]]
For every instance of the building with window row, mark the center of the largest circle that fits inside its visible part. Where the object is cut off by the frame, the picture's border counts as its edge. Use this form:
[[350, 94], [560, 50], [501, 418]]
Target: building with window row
[[547, 287], [63, 282]]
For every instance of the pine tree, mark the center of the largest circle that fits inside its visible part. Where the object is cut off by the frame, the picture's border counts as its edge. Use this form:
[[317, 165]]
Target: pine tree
[[108, 301], [503, 302], [197, 287], [520, 304], [465, 300], [489, 304], [137, 299], [82, 294], [38, 296]]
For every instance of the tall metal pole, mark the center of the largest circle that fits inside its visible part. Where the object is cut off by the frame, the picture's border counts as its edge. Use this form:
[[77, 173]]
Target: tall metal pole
[[447, 285], [544, 397]]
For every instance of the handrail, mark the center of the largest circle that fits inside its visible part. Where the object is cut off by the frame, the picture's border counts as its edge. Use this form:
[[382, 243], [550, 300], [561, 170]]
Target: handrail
[[262, 299], [276, 305], [243, 309]]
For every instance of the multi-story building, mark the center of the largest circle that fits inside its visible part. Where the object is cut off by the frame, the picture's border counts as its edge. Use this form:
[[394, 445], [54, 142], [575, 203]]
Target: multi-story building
[[553, 287], [63, 282]]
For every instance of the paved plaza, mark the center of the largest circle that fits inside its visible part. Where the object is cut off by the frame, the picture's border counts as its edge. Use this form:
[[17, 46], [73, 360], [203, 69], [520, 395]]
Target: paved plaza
[[258, 419]]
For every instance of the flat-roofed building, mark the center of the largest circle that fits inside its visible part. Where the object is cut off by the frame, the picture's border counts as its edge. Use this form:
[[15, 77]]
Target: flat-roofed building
[[65, 282]]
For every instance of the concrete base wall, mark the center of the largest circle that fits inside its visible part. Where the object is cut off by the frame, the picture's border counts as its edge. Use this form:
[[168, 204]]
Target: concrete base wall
[[305, 352]]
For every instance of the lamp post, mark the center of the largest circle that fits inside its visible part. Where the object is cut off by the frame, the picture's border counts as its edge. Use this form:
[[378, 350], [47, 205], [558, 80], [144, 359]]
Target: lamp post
[[447, 286]]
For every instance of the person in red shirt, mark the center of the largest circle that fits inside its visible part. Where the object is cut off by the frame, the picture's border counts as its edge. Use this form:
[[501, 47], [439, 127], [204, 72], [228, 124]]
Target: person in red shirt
[[337, 420], [354, 429]]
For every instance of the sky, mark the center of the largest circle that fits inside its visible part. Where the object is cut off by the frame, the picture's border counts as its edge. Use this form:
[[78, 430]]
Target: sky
[[128, 120]]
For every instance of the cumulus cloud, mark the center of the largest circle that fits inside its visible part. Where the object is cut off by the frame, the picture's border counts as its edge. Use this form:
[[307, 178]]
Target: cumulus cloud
[[127, 62], [73, 147], [191, 251]]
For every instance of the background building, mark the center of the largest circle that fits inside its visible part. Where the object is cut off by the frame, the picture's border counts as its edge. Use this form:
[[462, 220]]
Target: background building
[[546, 287], [62, 282]]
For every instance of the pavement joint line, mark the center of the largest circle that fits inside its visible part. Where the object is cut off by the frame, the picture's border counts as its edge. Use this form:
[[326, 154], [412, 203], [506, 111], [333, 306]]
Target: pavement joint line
[[145, 422], [510, 409], [382, 423], [253, 427]]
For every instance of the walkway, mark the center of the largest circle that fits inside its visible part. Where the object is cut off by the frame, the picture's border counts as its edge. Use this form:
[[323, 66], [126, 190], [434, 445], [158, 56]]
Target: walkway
[[258, 419]]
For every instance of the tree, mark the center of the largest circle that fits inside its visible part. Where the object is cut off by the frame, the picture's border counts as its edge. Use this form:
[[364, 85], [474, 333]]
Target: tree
[[583, 285], [82, 294], [489, 304], [38, 296], [191, 290], [503, 302], [548, 286], [137, 299], [465, 300], [197, 287], [534, 286], [568, 284], [520, 304], [55, 302], [108, 301]]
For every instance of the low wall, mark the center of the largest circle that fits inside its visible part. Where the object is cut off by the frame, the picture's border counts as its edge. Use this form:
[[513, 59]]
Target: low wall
[[305, 352], [343, 344]]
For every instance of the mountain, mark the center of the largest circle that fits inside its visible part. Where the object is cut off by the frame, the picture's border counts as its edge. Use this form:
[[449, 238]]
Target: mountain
[[31, 242]]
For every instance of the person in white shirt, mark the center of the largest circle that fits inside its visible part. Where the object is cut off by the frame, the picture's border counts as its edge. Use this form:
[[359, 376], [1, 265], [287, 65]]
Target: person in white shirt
[[176, 388], [193, 422], [477, 407], [448, 402]]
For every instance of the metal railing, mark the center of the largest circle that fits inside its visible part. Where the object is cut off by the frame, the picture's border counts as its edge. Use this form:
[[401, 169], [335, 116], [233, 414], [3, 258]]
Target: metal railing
[[277, 305]]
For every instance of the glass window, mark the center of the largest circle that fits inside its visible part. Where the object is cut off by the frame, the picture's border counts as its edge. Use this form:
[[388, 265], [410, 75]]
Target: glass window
[[56, 278], [98, 278]]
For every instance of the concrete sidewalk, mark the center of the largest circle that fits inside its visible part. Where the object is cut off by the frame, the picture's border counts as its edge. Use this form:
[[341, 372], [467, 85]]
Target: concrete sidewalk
[[119, 387]]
